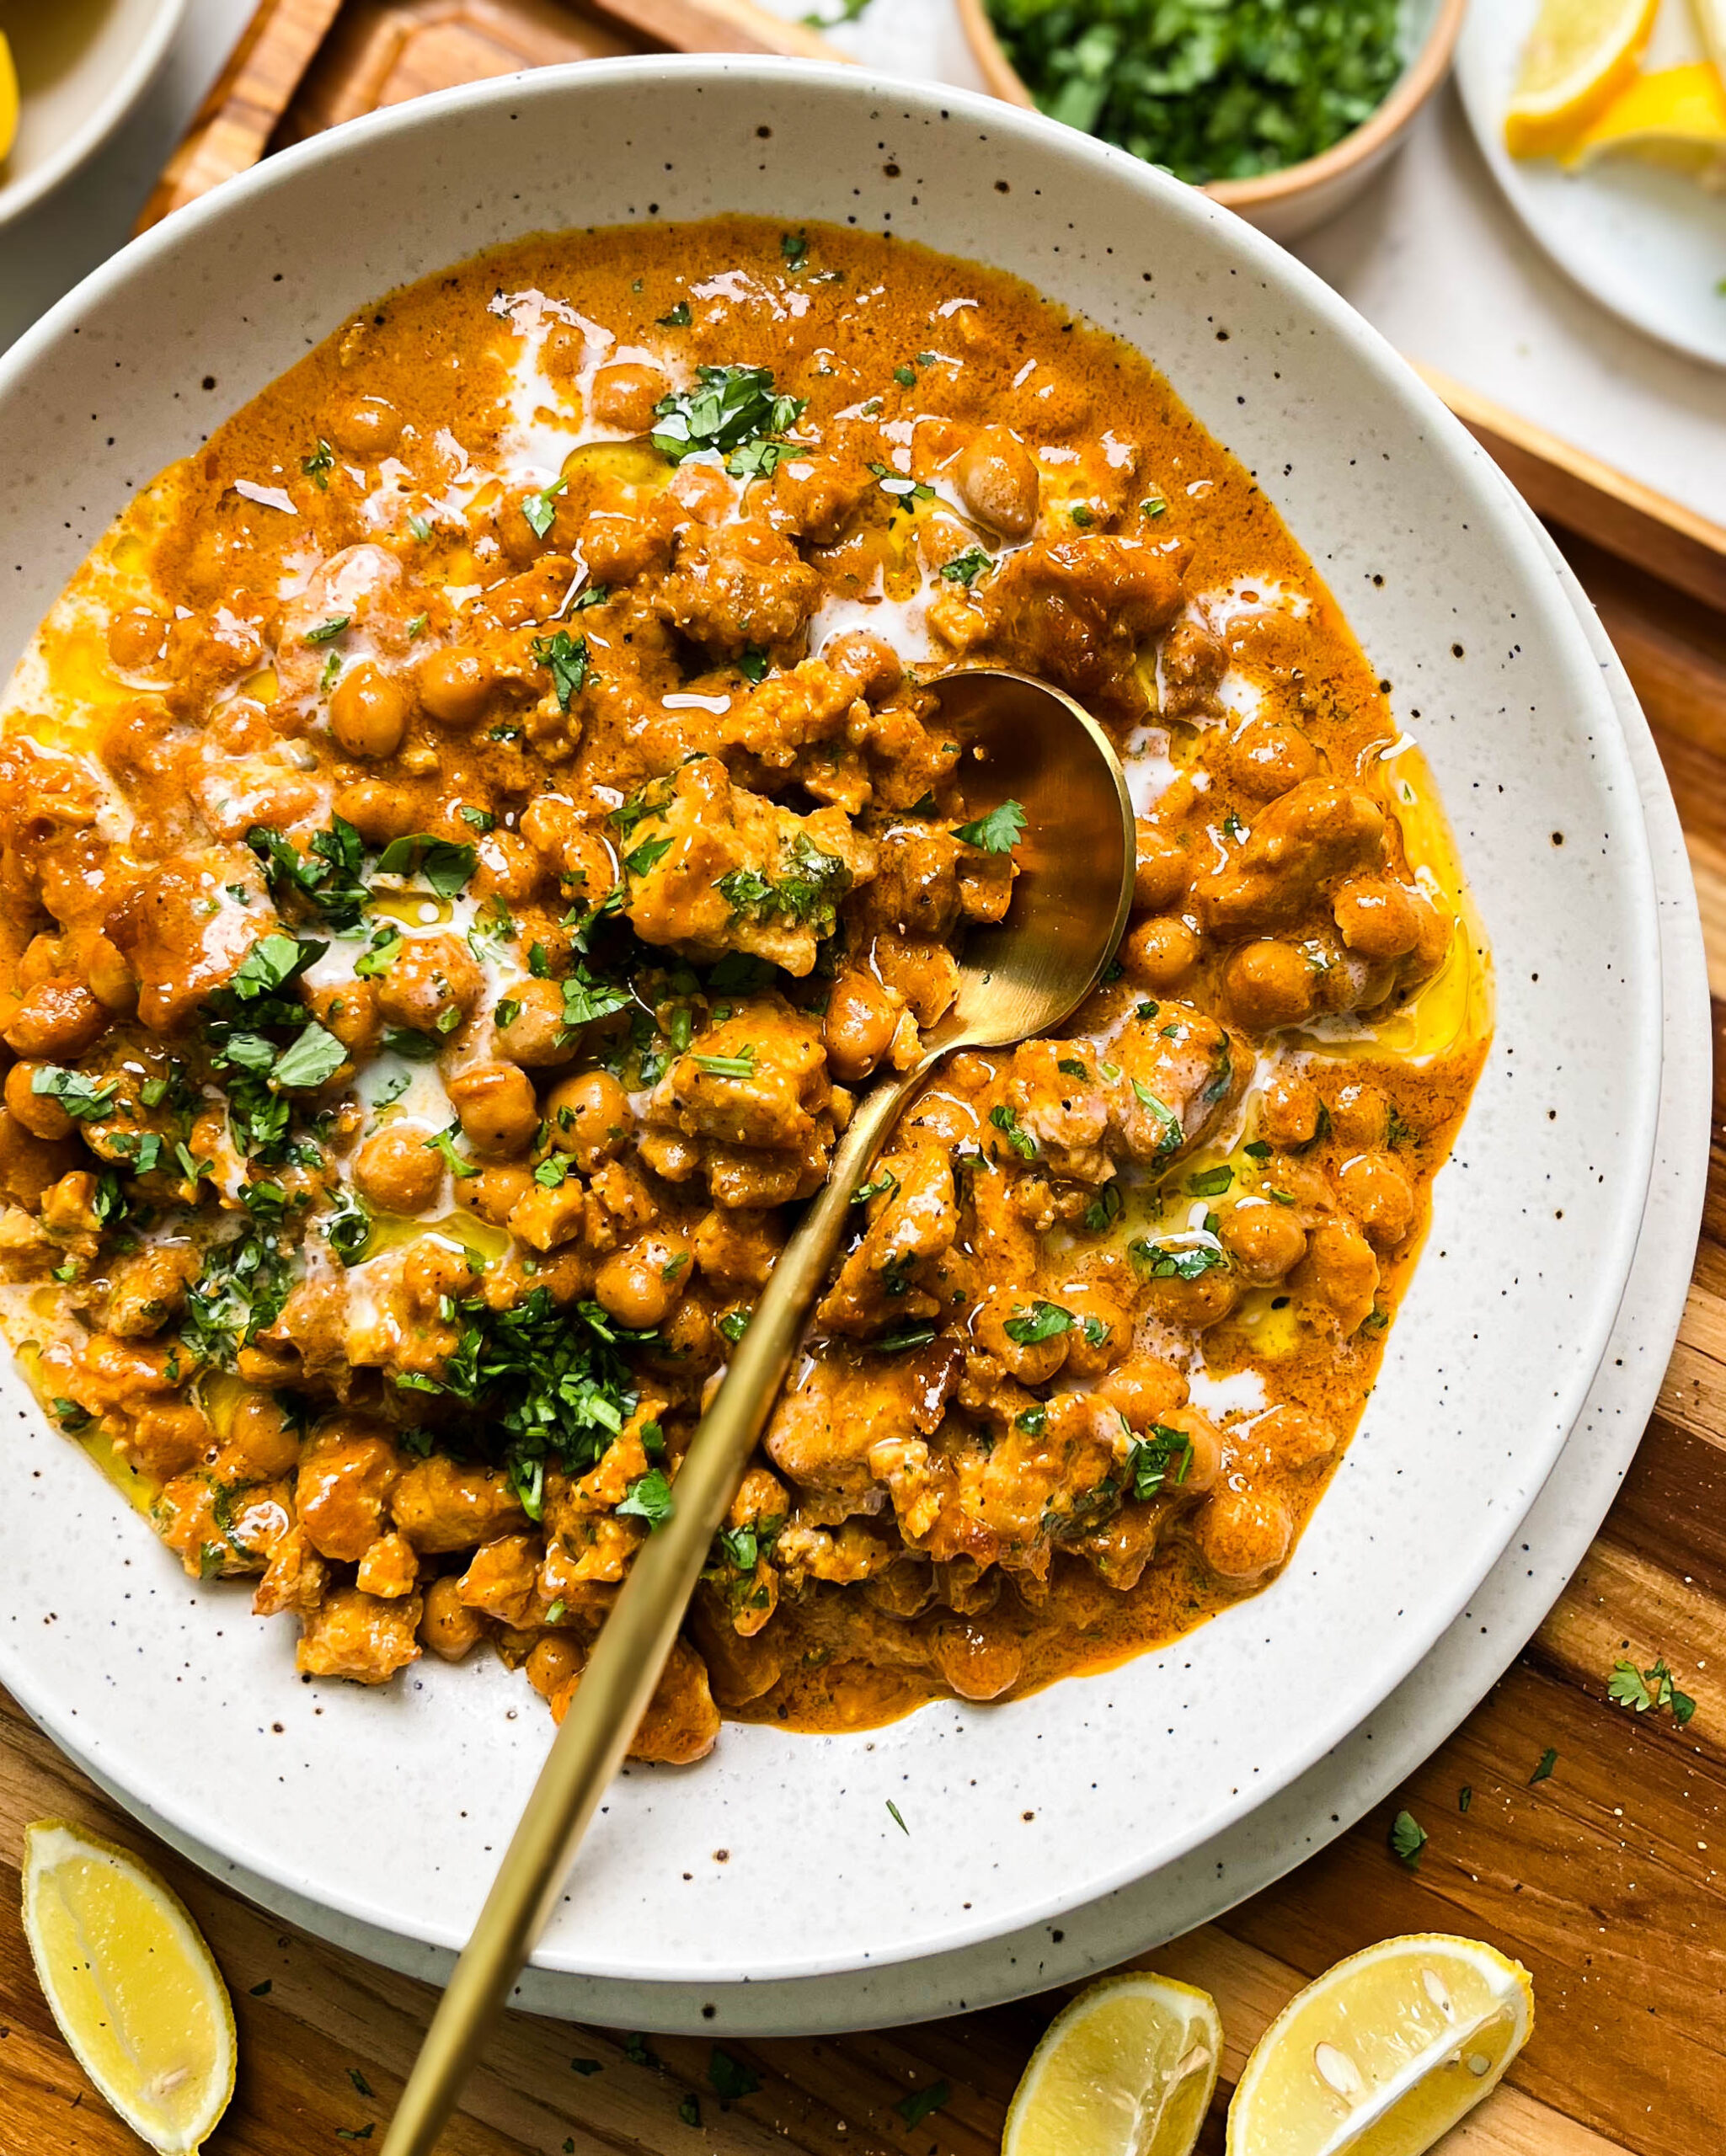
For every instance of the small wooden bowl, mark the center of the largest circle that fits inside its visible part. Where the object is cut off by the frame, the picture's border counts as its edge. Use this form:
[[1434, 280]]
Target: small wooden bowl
[[1287, 203]]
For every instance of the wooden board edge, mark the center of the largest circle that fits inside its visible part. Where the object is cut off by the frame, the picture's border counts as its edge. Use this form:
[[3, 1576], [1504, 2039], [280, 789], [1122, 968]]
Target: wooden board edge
[[1592, 499], [233, 124]]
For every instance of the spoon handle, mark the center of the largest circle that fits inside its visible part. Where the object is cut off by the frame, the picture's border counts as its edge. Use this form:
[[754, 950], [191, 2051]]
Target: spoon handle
[[632, 1646]]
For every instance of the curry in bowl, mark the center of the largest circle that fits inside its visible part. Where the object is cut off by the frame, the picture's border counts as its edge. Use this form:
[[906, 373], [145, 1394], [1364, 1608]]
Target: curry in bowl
[[471, 829]]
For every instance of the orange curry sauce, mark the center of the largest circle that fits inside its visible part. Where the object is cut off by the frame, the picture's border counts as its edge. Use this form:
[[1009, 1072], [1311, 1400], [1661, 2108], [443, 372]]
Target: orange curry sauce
[[471, 829]]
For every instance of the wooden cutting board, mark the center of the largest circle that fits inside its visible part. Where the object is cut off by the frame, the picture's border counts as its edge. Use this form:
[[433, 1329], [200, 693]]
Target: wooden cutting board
[[1603, 1876]]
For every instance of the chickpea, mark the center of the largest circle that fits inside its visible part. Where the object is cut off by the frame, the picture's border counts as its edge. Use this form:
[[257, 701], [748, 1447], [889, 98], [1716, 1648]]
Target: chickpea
[[704, 491], [1096, 1314], [858, 1027], [1376, 916], [349, 1010], [1376, 1191], [1340, 1272], [997, 482], [640, 1285], [368, 428], [60, 1019], [495, 1193], [688, 1341], [1161, 952], [552, 1662], [137, 639], [456, 685], [589, 1118], [1161, 877], [261, 1443], [509, 869], [1241, 1535], [1195, 1303], [1145, 1389], [535, 1034], [1360, 1116], [1264, 1240], [1294, 1438], [397, 1171], [624, 396], [368, 712], [978, 1660], [1267, 757], [1031, 1361], [497, 1107], [378, 810], [1290, 1109], [431, 1271], [447, 1624], [1268, 984], [866, 659], [432, 986], [110, 979], [40, 1114]]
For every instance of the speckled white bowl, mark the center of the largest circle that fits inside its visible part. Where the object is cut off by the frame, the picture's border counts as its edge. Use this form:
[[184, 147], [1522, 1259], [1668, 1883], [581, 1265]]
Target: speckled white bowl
[[778, 1857]]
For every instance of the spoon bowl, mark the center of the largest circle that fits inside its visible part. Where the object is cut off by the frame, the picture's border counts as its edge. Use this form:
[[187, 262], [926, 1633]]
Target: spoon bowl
[[1025, 742], [1022, 742]]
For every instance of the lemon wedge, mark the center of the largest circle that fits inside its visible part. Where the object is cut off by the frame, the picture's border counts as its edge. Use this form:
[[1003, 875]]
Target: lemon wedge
[[1127, 2068], [1579, 54], [1675, 117], [9, 100], [1384, 2052], [131, 1984]]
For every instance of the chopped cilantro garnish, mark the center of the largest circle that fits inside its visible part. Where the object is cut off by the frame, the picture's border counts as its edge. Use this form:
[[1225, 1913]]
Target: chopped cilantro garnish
[[733, 411], [1645, 1688], [83, 1097], [1157, 1262], [650, 1498], [326, 632], [1212, 1182], [1044, 1321], [729, 2078], [966, 567], [540, 507], [565, 658], [1407, 1837], [679, 318], [741, 1065], [318, 465], [1006, 1120], [999, 831], [1158, 1461], [446, 864], [914, 2108]]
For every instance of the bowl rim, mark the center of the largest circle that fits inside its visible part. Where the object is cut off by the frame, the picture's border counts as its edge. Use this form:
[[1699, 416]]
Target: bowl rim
[[1447, 438], [1419, 77], [19, 196]]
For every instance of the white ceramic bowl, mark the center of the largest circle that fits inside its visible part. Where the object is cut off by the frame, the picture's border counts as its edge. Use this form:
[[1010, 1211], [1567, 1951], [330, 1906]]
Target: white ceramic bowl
[[778, 1857], [82, 65]]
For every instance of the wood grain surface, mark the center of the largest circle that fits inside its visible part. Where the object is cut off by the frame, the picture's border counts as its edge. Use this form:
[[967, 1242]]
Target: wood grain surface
[[1603, 1876]]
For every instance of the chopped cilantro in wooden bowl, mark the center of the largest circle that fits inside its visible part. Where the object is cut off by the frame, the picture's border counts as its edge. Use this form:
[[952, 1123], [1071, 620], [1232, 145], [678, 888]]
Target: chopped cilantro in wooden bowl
[[1281, 109]]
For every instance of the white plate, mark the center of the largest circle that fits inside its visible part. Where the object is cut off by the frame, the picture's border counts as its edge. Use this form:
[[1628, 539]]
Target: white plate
[[1363, 1770], [1648, 244], [392, 1808], [82, 65]]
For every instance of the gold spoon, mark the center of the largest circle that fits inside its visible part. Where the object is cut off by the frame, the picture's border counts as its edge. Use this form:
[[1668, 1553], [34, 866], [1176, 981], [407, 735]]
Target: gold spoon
[[1021, 741]]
